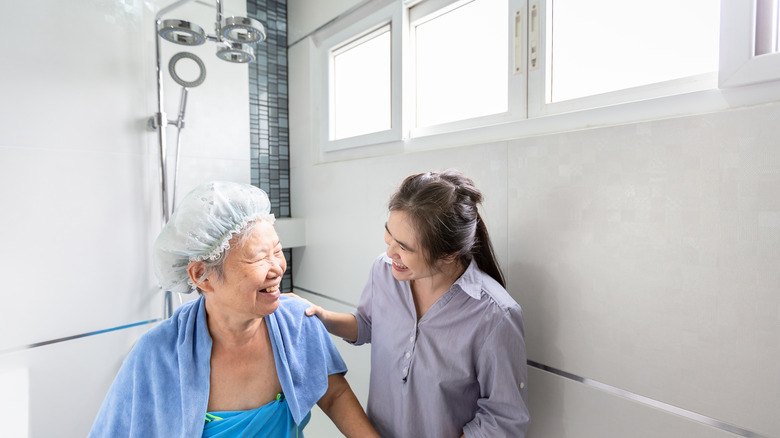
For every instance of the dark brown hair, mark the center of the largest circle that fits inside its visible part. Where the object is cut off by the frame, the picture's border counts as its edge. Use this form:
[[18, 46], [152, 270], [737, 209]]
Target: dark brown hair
[[443, 209]]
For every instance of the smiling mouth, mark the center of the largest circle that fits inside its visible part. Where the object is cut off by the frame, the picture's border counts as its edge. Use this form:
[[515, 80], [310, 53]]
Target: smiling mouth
[[399, 265], [269, 290]]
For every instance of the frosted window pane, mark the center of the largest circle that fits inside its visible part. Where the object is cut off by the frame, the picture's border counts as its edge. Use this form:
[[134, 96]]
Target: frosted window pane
[[605, 45], [767, 26], [462, 63], [361, 93]]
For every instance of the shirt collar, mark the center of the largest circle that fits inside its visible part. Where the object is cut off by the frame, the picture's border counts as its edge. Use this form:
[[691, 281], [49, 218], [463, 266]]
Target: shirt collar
[[471, 281]]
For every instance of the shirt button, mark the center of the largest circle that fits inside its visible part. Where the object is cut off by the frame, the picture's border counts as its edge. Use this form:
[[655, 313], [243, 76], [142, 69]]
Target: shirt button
[[407, 355], [406, 370], [411, 339], [522, 385]]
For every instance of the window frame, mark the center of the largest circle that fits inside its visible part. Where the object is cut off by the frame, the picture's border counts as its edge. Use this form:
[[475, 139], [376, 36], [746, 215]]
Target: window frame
[[516, 80], [333, 55], [540, 78], [740, 80], [738, 63], [358, 26]]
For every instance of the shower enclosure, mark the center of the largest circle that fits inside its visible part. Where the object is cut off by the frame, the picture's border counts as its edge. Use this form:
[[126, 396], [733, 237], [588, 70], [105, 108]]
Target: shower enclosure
[[233, 38]]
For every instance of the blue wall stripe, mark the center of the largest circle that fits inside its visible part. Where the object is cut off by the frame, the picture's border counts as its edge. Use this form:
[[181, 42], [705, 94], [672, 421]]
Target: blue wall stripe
[[82, 335]]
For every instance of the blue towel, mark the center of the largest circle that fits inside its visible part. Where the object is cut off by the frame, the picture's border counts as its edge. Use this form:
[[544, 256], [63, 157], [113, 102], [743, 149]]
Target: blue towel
[[162, 388]]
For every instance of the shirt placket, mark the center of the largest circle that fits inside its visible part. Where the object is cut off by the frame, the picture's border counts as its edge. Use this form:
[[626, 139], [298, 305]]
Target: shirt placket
[[408, 354]]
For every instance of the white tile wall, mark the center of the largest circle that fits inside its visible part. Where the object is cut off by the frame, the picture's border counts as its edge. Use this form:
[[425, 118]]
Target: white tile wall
[[564, 408], [67, 381], [646, 256], [642, 259]]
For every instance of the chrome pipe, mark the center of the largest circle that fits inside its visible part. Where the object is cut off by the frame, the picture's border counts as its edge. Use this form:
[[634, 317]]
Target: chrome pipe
[[179, 126], [168, 304]]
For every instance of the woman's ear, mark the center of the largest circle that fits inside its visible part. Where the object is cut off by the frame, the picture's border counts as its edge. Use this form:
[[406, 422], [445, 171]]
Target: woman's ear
[[196, 270], [450, 258]]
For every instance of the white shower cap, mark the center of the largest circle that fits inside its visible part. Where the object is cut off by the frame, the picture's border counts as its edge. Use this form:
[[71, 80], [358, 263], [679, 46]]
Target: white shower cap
[[202, 226]]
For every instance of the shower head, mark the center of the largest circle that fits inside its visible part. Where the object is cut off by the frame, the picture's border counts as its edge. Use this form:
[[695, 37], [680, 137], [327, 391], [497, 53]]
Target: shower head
[[242, 30], [182, 32], [235, 52]]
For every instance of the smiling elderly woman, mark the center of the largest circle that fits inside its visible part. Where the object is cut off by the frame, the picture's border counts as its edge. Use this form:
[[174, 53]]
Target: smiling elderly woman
[[239, 360]]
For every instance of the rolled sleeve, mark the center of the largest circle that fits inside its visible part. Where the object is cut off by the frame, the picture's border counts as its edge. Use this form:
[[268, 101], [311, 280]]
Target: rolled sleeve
[[502, 375], [363, 312]]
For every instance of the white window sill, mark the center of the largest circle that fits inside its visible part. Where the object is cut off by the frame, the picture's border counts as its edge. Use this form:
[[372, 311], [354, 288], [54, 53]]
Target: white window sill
[[699, 102]]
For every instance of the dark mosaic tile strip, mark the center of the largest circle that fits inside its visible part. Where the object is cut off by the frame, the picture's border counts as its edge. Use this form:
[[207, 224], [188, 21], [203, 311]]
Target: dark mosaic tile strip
[[268, 129]]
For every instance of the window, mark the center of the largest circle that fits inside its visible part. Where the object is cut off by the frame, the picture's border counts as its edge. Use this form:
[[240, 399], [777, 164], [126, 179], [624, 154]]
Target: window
[[767, 22], [359, 65], [599, 46], [460, 61], [403, 73], [606, 52], [361, 88]]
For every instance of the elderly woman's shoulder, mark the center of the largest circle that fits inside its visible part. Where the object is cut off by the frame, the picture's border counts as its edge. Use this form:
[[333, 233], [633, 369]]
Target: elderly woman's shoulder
[[291, 305], [166, 333], [292, 312]]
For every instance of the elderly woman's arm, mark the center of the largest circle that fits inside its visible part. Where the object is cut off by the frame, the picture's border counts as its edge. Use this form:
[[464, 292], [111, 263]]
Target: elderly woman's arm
[[340, 404]]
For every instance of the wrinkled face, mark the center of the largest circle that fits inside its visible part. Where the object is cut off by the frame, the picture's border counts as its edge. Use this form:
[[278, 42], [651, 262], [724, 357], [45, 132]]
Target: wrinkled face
[[251, 274], [404, 249]]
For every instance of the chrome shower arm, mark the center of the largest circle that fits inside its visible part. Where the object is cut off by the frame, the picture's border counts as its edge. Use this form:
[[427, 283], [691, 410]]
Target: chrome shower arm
[[219, 14]]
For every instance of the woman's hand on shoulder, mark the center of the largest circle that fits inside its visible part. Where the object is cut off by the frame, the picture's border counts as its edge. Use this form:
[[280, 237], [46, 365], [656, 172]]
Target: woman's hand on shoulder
[[312, 310], [336, 323]]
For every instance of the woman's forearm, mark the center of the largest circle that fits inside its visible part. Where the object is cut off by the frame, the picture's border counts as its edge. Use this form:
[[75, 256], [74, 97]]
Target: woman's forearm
[[343, 408], [340, 324]]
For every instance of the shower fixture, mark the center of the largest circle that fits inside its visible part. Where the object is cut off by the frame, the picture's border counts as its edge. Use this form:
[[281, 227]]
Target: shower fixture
[[233, 36]]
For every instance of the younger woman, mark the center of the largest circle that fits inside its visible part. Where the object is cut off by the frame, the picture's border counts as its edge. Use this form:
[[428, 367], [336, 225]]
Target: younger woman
[[448, 356]]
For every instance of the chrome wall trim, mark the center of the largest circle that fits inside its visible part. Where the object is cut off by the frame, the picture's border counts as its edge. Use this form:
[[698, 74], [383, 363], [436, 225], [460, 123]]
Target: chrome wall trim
[[70, 338], [649, 402]]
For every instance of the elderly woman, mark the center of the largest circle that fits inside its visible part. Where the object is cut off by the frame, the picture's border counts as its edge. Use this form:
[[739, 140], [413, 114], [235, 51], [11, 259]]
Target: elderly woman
[[239, 360]]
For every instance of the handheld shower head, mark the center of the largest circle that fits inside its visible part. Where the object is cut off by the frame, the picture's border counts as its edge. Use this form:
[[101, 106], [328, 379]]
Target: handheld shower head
[[178, 79]]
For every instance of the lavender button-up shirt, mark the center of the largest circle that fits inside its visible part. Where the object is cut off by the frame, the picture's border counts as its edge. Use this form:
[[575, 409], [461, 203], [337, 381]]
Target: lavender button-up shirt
[[460, 369]]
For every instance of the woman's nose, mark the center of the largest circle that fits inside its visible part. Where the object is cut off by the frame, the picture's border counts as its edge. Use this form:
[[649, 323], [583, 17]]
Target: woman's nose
[[391, 250], [276, 269]]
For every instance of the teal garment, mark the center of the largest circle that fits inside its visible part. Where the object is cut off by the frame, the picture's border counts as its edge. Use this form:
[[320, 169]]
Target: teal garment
[[272, 420]]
